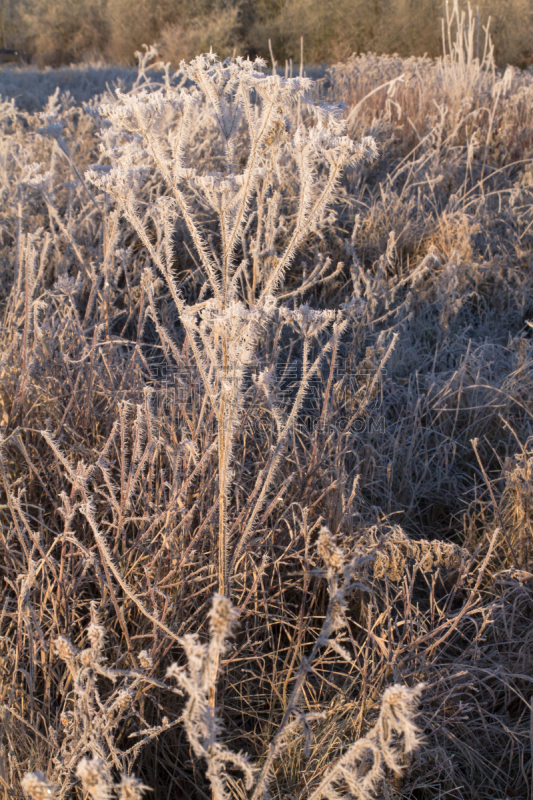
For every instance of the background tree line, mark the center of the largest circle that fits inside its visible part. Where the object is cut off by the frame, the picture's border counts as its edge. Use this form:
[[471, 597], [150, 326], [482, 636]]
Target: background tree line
[[53, 32]]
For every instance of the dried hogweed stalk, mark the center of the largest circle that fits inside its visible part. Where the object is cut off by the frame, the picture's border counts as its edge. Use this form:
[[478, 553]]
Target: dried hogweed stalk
[[244, 224], [94, 711], [397, 711], [197, 679]]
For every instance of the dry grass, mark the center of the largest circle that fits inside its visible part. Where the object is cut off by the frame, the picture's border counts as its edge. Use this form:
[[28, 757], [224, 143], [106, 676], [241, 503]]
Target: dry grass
[[417, 457]]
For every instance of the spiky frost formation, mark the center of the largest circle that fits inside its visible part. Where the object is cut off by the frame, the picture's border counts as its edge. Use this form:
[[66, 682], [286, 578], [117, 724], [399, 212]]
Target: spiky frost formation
[[123, 701], [131, 788], [393, 552], [199, 718], [96, 637], [221, 619], [398, 708], [332, 556], [145, 660], [37, 786], [95, 778], [65, 649], [341, 574], [380, 748], [258, 237]]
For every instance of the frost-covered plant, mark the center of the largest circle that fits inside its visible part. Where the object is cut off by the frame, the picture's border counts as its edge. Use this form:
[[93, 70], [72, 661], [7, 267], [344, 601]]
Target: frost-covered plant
[[199, 718], [89, 724], [95, 779], [245, 228], [361, 767], [37, 786]]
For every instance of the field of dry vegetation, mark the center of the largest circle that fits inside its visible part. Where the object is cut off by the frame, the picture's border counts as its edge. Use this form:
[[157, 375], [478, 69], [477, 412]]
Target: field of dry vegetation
[[266, 402]]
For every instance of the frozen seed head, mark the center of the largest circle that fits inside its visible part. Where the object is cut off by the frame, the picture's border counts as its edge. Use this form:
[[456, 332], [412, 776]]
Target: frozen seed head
[[67, 720], [131, 788], [87, 657], [96, 636], [123, 701], [36, 786], [332, 556], [145, 660], [221, 616], [338, 613], [64, 649], [398, 712], [93, 778]]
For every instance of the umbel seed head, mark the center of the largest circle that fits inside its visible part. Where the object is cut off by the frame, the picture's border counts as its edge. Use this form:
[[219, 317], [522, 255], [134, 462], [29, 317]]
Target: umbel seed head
[[65, 650], [96, 636], [145, 660]]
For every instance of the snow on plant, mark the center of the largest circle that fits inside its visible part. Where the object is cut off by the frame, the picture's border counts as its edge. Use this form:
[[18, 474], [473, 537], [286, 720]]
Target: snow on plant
[[238, 219]]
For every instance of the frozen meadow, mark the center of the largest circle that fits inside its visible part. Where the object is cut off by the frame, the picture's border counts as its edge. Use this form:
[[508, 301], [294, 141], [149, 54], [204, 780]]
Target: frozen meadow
[[266, 400]]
